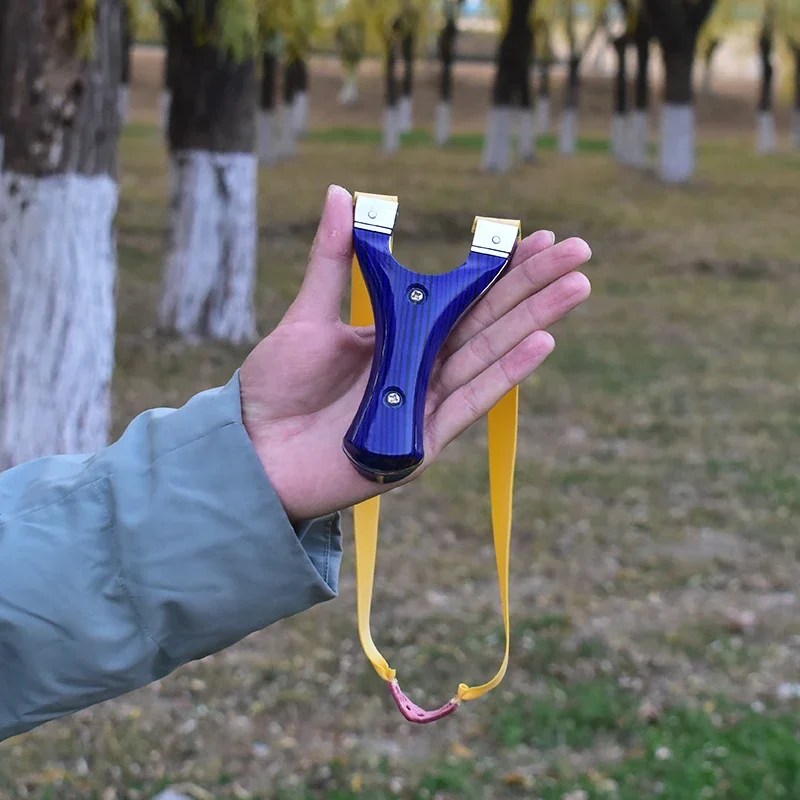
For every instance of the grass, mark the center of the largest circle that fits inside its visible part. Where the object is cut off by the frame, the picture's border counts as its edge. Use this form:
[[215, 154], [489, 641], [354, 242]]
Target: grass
[[657, 495]]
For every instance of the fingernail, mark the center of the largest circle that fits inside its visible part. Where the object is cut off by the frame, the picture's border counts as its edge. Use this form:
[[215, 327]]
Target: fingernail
[[552, 238], [334, 188]]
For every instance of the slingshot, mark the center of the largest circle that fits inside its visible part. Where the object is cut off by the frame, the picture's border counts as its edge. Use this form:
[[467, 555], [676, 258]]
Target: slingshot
[[413, 315]]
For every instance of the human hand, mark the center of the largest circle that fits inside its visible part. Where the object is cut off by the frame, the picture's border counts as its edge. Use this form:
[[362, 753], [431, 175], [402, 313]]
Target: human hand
[[302, 385]]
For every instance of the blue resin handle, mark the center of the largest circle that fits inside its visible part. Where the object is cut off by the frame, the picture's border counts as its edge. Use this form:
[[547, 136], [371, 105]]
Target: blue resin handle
[[414, 315]]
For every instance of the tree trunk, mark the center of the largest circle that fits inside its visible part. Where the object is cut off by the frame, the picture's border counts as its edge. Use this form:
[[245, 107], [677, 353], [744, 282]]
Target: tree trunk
[[350, 40], [568, 135], [291, 79], [527, 121], [447, 49], [300, 104], [267, 138], [405, 115], [391, 121], [765, 140], [511, 77], [211, 263], [619, 118], [543, 115], [58, 198], [165, 100], [677, 158], [127, 63], [677, 24], [638, 124]]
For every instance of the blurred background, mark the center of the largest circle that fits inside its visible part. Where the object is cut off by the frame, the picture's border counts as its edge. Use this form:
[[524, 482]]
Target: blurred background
[[164, 170]]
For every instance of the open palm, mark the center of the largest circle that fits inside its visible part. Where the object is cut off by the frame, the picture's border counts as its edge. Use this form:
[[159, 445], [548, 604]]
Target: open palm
[[302, 385]]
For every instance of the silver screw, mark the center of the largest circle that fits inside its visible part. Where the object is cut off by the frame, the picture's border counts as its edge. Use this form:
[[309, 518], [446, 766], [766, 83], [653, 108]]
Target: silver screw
[[495, 239], [416, 296], [394, 399], [372, 213]]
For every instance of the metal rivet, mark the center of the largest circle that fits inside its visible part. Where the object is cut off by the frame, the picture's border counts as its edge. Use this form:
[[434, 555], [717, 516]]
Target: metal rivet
[[393, 398], [495, 240], [372, 213], [416, 295]]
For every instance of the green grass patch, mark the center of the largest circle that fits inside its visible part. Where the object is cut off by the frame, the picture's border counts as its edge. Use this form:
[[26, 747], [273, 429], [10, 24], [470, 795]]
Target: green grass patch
[[572, 715], [423, 138]]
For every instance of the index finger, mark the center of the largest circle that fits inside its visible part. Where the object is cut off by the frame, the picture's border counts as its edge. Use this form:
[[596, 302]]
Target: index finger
[[532, 269]]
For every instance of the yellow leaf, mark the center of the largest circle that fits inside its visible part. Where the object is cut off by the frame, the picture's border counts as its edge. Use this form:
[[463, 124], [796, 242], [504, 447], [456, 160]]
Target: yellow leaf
[[357, 783], [515, 779], [459, 751]]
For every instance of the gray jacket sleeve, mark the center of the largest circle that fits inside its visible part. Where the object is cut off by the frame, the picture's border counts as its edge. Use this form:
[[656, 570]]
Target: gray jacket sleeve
[[169, 545]]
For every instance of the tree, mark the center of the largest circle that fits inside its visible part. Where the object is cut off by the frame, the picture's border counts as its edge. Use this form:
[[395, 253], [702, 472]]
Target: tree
[[638, 136], [210, 268], [543, 47], [296, 22], [511, 85], [447, 51], [60, 74], [568, 134], [619, 122], [128, 23], [408, 41], [716, 28], [291, 86], [676, 25], [765, 141], [391, 114], [165, 99], [351, 42], [267, 128]]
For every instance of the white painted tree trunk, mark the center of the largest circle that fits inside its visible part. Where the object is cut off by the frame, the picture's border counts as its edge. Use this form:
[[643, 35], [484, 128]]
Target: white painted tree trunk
[[300, 113], [568, 134], [211, 260], [765, 136], [497, 144], [527, 134], [543, 116], [123, 102], [619, 137], [442, 124], [391, 130], [165, 103], [677, 156], [349, 93], [405, 114], [638, 139], [58, 262], [288, 144], [267, 138], [796, 127]]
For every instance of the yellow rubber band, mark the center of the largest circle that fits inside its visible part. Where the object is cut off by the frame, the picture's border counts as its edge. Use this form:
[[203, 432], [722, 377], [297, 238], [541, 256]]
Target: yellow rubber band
[[503, 421]]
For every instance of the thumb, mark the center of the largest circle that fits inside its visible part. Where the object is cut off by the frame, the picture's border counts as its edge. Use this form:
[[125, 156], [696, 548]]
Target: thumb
[[328, 270]]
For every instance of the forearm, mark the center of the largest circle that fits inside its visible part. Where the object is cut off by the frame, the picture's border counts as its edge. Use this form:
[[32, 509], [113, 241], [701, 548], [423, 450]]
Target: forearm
[[169, 545]]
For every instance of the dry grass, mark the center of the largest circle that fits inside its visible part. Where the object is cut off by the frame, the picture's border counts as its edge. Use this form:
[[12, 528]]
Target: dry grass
[[655, 555]]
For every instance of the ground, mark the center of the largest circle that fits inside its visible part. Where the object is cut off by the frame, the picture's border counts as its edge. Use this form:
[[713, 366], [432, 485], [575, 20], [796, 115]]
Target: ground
[[654, 577]]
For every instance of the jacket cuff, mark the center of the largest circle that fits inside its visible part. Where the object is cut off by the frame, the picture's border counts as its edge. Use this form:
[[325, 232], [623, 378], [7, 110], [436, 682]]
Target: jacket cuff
[[208, 553]]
